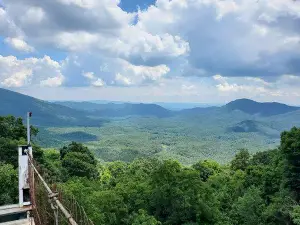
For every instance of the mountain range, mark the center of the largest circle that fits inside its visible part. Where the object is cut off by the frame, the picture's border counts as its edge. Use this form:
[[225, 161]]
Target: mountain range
[[84, 113], [125, 131]]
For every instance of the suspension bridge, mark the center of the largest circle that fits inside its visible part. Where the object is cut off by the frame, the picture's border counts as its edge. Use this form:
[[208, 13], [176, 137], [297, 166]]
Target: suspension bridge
[[40, 203]]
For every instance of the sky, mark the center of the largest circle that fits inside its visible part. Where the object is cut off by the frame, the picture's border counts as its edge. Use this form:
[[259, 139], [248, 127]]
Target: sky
[[208, 51]]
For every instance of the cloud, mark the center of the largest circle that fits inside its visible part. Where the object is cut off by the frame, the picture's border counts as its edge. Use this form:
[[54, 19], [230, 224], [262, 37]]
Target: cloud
[[7, 26], [285, 86], [52, 81], [166, 32], [140, 75], [89, 75], [100, 27], [19, 44], [30, 71], [98, 83], [253, 46], [233, 38], [122, 80], [94, 81], [144, 74]]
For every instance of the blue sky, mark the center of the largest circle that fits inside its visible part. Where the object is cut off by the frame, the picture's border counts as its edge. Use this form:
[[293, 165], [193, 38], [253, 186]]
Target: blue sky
[[134, 5], [208, 51]]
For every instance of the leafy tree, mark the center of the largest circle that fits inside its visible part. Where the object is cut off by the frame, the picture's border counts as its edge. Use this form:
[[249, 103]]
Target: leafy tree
[[52, 166], [179, 196], [9, 151], [13, 128], [108, 208], [241, 160], [248, 209], [206, 168], [263, 158], [290, 147], [78, 160], [8, 184], [77, 147], [12, 134], [79, 164], [117, 170], [280, 208], [142, 218], [295, 214]]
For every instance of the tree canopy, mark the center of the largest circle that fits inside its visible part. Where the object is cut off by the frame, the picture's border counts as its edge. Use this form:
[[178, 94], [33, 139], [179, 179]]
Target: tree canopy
[[259, 189]]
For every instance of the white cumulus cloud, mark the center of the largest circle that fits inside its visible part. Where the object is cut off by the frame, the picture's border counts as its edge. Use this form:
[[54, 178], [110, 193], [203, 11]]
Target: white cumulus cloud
[[19, 44], [252, 45], [16, 72], [94, 81]]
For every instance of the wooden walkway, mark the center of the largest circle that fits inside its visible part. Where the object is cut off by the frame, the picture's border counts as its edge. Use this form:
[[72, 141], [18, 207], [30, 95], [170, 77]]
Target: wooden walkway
[[28, 221], [11, 210]]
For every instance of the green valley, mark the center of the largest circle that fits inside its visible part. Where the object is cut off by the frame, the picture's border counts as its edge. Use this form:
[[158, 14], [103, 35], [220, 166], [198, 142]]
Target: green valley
[[190, 135]]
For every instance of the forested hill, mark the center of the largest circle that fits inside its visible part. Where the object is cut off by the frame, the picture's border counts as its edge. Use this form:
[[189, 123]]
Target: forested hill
[[263, 109], [119, 109], [45, 113]]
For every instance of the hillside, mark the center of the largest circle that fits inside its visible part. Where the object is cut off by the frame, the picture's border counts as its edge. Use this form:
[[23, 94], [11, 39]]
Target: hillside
[[261, 108], [45, 113], [120, 109]]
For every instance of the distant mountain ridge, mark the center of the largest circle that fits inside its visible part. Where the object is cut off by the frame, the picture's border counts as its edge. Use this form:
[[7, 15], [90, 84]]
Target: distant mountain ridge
[[83, 113], [262, 108], [44, 113], [142, 109], [119, 109]]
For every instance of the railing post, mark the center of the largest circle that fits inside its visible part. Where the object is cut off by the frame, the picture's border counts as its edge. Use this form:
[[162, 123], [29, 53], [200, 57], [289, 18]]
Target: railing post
[[23, 170]]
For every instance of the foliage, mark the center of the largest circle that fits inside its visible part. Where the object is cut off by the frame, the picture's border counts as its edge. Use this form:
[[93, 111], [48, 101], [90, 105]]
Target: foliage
[[249, 208], [8, 184], [9, 151], [187, 139], [150, 191], [295, 214], [290, 147], [251, 190], [12, 134], [142, 218], [12, 128], [241, 160], [77, 160], [206, 169]]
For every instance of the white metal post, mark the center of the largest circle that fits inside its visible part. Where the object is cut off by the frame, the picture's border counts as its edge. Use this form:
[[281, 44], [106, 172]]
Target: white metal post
[[23, 173], [28, 128]]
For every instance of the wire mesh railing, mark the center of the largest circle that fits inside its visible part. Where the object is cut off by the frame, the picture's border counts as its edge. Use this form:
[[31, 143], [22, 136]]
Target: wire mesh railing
[[73, 206], [53, 205]]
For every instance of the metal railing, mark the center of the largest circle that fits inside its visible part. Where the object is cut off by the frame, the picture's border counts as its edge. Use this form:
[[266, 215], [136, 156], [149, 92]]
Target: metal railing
[[52, 206]]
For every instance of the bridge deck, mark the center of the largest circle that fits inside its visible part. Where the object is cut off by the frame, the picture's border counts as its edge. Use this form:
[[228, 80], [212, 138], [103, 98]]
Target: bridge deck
[[28, 221], [13, 209]]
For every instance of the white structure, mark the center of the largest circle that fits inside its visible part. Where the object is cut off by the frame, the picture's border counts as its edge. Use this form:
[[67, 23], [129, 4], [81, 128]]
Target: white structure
[[24, 187], [19, 214]]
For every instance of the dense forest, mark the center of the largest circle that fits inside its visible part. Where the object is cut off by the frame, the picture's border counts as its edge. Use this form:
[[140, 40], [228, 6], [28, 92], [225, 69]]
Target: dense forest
[[263, 188]]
